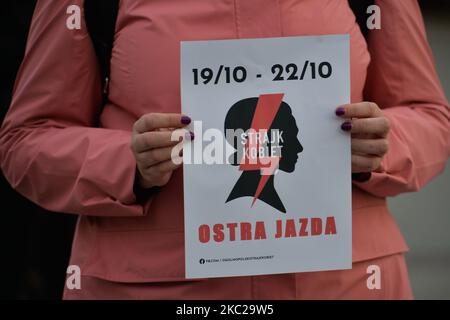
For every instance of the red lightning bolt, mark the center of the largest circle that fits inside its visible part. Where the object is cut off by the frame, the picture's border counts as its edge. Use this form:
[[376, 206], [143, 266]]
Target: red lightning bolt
[[266, 110]]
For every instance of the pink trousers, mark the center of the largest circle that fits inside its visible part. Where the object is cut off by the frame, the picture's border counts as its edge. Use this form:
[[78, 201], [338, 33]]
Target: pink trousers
[[380, 278]]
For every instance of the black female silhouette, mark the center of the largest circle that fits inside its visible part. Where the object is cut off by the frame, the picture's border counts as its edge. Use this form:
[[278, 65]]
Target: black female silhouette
[[240, 118]]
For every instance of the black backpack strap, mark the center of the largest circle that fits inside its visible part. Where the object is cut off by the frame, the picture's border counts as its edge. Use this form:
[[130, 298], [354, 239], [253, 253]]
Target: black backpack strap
[[359, 8], [101, 17]]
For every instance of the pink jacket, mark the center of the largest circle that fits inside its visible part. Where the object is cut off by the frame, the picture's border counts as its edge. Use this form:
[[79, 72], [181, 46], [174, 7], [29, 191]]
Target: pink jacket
[[64, 152]]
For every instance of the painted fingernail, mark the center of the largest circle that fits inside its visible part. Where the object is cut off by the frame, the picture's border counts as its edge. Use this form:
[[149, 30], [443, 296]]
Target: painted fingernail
[[346, 126], [361, 176], [185, 120], [340, 111], [189, 135]]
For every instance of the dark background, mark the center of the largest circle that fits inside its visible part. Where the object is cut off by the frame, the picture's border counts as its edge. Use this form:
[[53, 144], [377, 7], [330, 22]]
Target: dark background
[[35, 244]]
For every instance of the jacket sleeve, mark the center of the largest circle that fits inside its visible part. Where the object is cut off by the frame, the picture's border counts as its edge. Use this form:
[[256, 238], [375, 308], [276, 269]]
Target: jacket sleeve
[[50, 150], [402, 80]]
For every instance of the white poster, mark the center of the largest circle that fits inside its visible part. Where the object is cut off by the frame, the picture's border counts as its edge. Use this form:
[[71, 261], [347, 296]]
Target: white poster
[[267, 179]]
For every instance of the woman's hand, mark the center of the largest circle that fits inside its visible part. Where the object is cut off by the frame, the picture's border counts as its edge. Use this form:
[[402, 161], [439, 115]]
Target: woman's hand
[[152, 146], [369, 129]]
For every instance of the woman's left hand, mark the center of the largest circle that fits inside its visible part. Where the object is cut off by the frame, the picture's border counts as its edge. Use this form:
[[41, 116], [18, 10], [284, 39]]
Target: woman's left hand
[[369, 129]]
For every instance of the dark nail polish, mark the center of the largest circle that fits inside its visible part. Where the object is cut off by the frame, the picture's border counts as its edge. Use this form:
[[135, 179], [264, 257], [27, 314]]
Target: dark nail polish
[[185, 120], [340, 111], [361, 176], [346, 126]]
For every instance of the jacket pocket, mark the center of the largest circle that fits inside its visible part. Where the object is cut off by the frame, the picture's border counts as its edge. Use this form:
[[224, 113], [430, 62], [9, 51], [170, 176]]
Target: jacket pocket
[[138, 256]]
